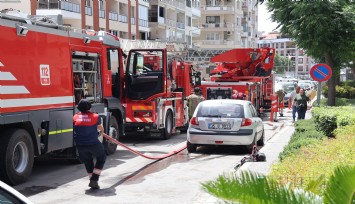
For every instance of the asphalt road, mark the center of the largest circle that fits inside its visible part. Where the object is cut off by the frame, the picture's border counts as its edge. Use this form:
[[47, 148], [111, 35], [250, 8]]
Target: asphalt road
[[128, 178]]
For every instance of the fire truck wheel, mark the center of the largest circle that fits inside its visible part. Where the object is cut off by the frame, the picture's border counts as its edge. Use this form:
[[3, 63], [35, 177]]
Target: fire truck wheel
[[16, 156], [167, 131], [261, 142], [111, 147], [191, 148]]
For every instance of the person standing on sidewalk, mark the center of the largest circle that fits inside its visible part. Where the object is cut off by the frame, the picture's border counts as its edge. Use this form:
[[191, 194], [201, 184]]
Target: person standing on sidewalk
[[193, 100], [301, 103], [86, 127], [291, 101]]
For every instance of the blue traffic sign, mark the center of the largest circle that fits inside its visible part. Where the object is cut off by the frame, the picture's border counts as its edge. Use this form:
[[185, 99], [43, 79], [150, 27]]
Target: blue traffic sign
[[321, 72]]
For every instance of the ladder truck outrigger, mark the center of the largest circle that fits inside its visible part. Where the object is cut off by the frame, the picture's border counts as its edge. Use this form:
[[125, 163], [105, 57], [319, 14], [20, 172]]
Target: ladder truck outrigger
[[45, 69], [247, 70], [156, 87]]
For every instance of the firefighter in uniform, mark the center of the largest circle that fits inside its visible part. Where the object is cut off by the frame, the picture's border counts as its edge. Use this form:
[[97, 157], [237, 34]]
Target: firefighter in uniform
[[193, 100], [86, 127]]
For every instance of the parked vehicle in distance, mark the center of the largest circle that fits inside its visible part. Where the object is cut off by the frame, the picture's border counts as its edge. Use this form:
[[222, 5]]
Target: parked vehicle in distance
[[288, 79], [225, 122], [10, 195]]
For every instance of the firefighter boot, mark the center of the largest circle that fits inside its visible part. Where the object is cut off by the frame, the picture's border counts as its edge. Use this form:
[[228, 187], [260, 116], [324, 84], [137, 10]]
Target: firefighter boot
[[94, 182]]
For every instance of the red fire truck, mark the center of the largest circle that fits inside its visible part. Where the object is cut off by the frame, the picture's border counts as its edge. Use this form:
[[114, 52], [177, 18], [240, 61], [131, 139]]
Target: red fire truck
[[45, 70], [156, 87], [246, 70]]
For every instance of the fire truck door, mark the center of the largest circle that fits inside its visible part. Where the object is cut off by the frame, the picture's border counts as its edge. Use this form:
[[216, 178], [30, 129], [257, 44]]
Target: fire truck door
[[87, 77]]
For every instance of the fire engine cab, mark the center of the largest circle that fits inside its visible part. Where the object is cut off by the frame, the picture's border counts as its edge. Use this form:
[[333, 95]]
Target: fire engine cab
[[45, 69], [156, 87]]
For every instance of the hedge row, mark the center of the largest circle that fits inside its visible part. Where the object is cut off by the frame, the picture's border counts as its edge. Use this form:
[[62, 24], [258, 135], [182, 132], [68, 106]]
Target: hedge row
[[305, 135], [341, 91], [327, 119]]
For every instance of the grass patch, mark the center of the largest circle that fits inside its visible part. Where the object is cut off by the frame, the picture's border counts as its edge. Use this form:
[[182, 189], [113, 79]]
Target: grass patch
[[320, 157], [305, 135]]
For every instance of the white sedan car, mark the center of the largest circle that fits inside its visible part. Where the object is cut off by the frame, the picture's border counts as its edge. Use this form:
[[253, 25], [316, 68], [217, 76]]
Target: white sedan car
[[225, 122], [9, 195]]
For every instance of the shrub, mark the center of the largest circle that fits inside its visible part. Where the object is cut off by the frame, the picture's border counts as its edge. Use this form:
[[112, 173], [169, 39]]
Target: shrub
[[338, 102], [341, 91]]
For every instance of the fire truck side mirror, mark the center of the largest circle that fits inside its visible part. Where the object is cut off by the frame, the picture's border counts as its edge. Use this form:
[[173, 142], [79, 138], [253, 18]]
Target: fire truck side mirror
[[197, 80], [21, 30]]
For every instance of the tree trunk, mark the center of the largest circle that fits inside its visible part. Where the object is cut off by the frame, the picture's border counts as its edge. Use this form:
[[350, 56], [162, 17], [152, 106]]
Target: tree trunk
[[353, 69], [332, 81]]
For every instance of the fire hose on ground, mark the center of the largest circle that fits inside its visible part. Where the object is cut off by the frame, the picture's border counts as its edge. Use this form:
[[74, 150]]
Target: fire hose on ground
[[143, 155]]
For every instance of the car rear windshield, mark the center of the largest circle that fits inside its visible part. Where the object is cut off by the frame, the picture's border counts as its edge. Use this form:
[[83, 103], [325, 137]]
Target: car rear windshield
[[223, 110]]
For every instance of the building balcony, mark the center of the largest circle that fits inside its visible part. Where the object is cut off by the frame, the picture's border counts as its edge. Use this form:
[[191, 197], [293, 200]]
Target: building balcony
[[244, 34], [180, 25], [143, 23], [218, 26], [113, 16], [161, 20], [218, 10], [171, 23], [122, 18], [88, 11], [133, 21], [67, 9], [101, 13], [215, 44]]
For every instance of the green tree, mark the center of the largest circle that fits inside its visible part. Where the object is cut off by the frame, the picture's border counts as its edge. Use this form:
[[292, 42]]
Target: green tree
[[324, 29], [281, 64], [251, 188]]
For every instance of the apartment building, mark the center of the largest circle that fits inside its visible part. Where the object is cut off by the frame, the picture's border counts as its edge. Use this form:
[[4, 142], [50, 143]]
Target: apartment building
[[300, 64], [174, 20], [126, 19], [225, 24]]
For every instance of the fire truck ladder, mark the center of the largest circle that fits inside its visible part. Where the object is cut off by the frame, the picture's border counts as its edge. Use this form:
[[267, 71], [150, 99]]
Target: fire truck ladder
[[127, 45]]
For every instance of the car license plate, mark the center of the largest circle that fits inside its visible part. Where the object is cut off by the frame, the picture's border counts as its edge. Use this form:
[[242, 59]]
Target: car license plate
[[223, 126]]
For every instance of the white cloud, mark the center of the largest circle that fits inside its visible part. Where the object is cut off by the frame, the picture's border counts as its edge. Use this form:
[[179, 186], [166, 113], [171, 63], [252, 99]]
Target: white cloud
[[264, 19]]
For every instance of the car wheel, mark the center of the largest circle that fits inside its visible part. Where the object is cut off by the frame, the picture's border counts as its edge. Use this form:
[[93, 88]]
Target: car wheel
[[167, 131], [191, 148], [16, 156], [261, 141], [113, 132]]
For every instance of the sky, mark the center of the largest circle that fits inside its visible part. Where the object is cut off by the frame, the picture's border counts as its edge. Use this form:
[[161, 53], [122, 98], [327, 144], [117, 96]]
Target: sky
[[264, 22]]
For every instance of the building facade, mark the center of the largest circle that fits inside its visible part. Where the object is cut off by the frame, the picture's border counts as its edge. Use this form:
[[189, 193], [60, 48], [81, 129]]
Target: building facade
[[300, 64], [225, 24]]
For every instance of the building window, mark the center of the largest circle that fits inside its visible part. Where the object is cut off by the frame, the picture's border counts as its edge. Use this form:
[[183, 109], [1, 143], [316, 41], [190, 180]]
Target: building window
[[114, 32], [212, 36], [212, 19], [188, 20], [87, 3], [300, 60]]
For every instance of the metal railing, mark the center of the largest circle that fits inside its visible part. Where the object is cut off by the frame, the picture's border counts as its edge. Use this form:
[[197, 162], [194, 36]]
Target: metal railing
[[170, 22], [133, 21], [143, 23], [122, 18], [113, 16], [88, 11], [180, 25], [68, 6], [101, 13]]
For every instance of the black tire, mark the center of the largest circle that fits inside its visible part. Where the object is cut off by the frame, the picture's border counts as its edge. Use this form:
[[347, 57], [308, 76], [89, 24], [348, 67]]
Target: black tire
[[167, 131], [111, 147], [191, 148], [261, 141], [16, 156]]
